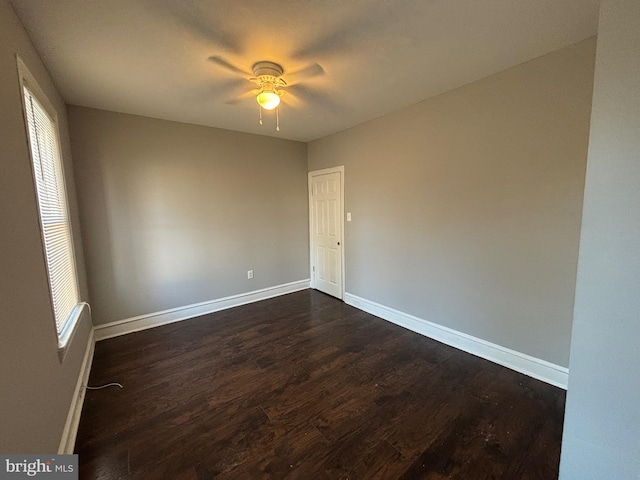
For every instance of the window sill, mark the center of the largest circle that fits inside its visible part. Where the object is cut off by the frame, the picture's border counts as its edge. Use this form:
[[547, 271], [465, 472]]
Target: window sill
[[64, 340]]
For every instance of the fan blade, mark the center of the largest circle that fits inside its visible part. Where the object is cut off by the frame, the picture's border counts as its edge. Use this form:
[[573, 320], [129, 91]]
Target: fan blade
[[229, 66], [228, 88], [313, 97], [242, 97], [215, 92], [313, 70], [292, 100]]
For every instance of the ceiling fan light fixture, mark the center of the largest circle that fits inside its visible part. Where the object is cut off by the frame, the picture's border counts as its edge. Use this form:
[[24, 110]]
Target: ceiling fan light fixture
[[269, 80], [268, 98]]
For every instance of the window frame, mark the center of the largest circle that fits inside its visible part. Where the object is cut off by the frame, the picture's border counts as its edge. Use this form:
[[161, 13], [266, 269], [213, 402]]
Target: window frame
[[69, 327]]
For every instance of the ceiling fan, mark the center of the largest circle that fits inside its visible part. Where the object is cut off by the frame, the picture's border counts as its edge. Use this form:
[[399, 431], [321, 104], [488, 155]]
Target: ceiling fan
[[270, 83], [271, 86]]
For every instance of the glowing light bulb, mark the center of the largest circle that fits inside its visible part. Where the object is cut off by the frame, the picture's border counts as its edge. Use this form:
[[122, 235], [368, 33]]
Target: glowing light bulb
[[268, 98]]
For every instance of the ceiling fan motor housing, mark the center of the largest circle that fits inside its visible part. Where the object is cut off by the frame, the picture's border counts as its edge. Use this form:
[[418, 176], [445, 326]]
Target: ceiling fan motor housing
[[267, 69]]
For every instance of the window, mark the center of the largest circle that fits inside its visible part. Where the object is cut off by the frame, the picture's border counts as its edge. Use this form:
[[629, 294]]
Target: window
[[54, 213]]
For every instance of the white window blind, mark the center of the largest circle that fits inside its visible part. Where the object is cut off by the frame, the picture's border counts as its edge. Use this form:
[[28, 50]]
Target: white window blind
[[54, 216]]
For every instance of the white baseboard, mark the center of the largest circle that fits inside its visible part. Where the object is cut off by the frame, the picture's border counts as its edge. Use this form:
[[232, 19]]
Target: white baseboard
[[520, 362], [68, 440], [150, 320]]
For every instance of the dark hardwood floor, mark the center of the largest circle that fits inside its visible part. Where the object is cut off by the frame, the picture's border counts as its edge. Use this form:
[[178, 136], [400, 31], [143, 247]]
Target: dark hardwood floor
[[305, 387]]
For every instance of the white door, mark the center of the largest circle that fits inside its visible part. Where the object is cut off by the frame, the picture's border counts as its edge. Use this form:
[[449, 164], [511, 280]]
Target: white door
[[325, 209]]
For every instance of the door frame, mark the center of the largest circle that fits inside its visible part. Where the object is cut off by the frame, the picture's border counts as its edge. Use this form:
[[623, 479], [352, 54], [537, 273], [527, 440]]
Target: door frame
[[313, 173]]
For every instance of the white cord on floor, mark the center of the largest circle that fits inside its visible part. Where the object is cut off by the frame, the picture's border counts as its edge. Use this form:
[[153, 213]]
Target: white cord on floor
[[112, 384]]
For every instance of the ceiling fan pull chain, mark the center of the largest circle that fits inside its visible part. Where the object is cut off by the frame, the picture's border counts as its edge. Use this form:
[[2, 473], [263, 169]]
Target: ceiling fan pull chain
[[277, 119], [260, 114]]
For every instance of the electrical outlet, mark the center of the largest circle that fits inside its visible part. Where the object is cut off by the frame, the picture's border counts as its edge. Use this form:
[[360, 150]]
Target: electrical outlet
[[249, 274]]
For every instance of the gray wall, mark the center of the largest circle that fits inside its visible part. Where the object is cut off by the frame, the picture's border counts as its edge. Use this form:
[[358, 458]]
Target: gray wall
[[175, 214], [602, 422], [37, 389], [466, 207]]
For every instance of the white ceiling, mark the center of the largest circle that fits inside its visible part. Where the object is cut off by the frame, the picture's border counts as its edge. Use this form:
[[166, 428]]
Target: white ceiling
[[152, 57]]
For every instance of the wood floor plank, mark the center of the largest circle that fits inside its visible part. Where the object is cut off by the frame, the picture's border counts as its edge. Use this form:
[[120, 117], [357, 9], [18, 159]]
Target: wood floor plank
[[303, 386]]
